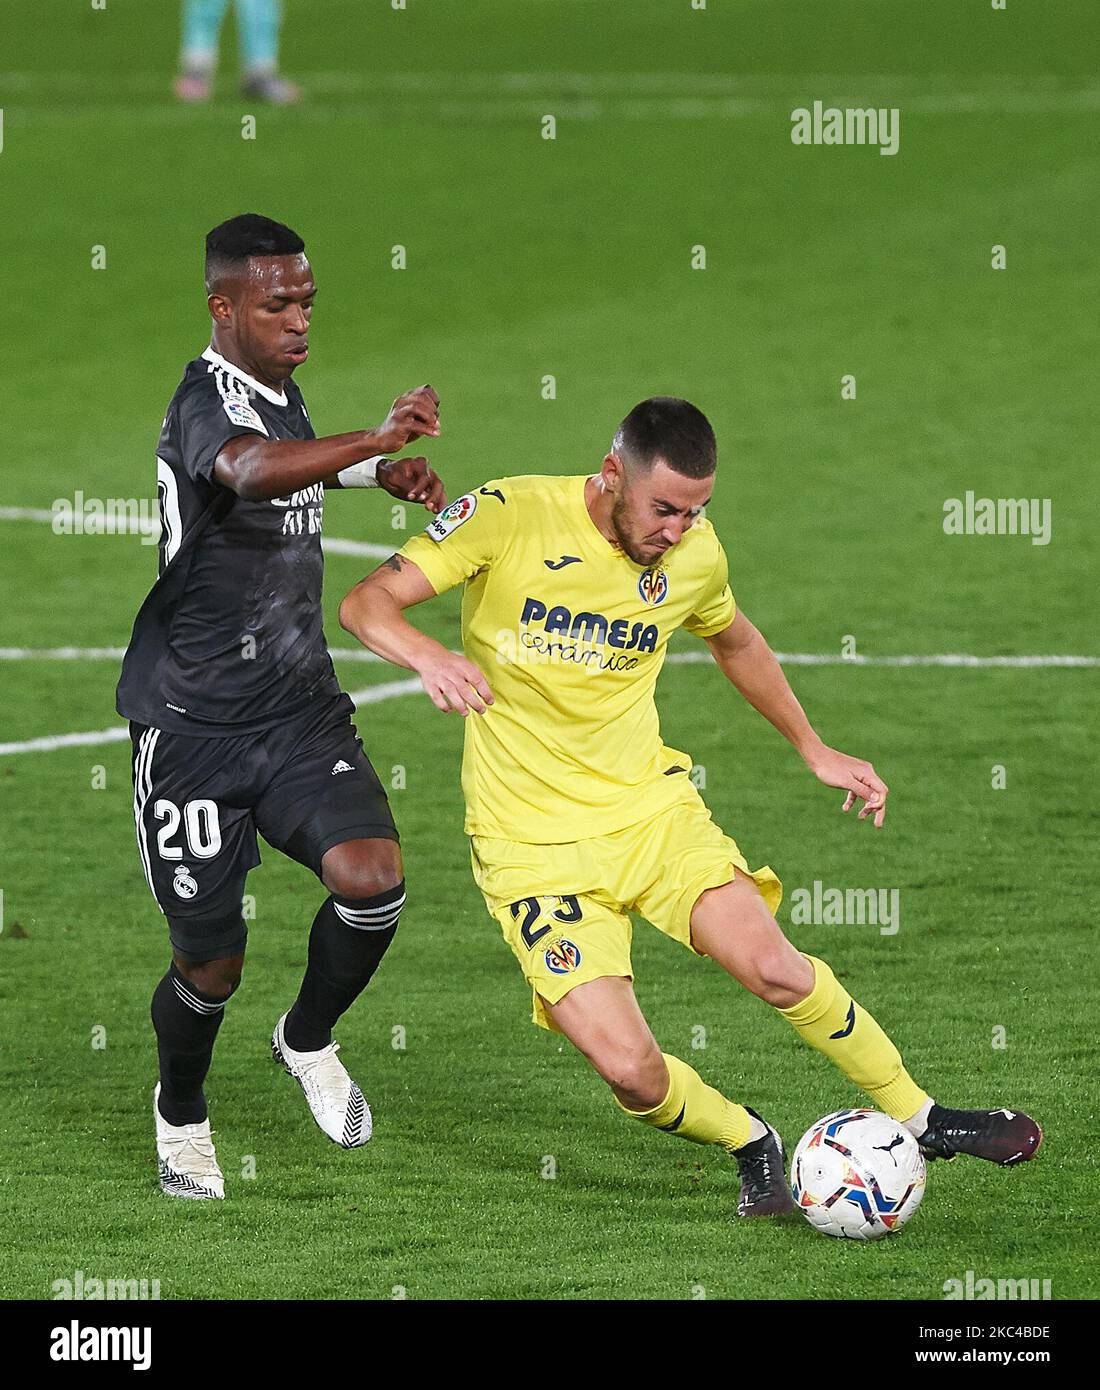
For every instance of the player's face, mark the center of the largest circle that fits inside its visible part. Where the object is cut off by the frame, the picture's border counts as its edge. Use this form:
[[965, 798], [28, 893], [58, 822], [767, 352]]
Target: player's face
[[653, 508], [269, 311]]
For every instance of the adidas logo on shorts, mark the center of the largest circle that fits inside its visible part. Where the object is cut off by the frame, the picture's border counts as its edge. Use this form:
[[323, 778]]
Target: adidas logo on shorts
[[342, 766]]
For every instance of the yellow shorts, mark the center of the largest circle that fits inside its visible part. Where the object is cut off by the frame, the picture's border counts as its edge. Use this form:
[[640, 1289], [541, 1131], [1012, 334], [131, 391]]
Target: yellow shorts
[[563, 908]]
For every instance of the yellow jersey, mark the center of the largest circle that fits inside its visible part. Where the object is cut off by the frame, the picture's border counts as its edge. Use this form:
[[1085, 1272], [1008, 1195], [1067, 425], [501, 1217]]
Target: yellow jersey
[[571, 635]]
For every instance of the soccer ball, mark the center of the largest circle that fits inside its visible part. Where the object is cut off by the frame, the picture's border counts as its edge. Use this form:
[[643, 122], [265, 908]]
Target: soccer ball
[[857, 1174]]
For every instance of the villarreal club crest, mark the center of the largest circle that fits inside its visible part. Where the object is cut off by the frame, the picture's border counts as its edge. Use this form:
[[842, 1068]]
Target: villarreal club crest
[[562, 956], [653, 585]]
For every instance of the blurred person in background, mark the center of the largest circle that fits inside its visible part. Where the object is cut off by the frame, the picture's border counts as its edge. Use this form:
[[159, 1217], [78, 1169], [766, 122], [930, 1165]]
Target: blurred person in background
[[258, 24]]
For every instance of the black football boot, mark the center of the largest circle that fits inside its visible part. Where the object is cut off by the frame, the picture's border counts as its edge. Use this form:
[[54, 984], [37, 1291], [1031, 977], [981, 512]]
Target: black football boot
[[764, 1187], [1002, 1136]]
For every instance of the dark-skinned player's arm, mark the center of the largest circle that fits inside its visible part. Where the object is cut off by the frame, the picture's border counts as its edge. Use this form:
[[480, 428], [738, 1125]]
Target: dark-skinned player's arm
[[258, 469], [374, 613], [750, 664]]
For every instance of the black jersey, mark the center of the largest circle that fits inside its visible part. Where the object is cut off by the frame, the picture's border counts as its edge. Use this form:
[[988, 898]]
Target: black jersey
[[230, 637]]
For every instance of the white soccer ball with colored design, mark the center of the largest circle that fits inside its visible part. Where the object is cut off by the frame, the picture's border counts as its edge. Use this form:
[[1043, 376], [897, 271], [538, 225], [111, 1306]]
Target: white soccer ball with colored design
[[857, 1174]]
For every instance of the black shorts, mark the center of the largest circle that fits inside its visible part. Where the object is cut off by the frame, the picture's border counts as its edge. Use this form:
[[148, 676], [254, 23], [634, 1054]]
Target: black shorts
[[305, 785]]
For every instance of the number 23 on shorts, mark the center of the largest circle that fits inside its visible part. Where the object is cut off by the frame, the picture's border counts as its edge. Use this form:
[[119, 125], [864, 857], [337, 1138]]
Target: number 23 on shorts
[[528, 911]]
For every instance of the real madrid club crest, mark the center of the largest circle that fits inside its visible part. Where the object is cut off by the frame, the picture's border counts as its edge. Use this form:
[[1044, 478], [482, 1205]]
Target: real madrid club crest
[[183, 883], [653, 585]]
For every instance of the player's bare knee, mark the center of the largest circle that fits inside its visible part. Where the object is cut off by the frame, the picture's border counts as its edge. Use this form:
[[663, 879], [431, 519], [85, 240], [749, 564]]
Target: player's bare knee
[[781, 977], [362, 881], [361, 869], [638, 1077], [216, 979]]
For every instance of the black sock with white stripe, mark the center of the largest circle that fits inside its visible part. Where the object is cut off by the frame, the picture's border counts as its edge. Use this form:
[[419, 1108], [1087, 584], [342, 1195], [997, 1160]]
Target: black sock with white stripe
[[348, 939], [186, 1022]]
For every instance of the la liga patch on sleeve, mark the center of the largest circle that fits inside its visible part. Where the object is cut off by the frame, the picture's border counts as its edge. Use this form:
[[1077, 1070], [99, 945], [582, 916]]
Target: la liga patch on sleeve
[[241, 413], [452, 517]]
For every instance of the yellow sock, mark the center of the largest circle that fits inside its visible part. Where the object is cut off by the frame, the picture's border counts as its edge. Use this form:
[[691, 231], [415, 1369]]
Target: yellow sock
[[695, 1111], [830, 1020]]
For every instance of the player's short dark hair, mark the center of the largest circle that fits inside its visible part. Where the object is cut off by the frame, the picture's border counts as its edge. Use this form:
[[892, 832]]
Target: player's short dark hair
[[232, 244], [668, 428]]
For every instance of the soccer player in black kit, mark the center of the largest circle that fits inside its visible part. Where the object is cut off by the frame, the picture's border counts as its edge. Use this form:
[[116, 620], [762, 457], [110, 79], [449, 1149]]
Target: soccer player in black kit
[[237, 719]]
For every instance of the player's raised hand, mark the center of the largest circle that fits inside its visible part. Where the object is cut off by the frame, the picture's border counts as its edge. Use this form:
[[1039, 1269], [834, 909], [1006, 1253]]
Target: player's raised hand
[[411, 416], [455, 684], [858, 778], [413, 480]]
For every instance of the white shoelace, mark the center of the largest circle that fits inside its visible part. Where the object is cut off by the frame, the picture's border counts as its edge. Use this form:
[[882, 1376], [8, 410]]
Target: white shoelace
[[192, 1153], [326, 1083]]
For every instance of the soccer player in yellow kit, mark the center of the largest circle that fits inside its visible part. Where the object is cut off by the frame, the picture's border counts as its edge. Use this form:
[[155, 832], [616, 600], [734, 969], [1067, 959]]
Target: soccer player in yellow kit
[[578, 814]]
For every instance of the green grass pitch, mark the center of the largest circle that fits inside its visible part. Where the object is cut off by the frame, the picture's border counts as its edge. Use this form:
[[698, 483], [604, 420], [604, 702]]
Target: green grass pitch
[[571, 258]]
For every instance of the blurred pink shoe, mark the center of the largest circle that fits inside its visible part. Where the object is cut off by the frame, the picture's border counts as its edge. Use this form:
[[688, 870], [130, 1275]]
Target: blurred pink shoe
[[192, 86]]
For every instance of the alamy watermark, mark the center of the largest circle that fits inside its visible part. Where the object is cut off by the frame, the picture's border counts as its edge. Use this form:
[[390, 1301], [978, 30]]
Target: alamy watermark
[[76, 1343], [819, 906], [998, 516], [88, 1287], [973, 1289], [106, 516], [847, 125]]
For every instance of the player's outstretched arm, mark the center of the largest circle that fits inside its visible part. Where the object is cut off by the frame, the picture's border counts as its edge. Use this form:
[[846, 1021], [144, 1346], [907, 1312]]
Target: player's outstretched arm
[[258, 469], [373, 612], [750, 664]]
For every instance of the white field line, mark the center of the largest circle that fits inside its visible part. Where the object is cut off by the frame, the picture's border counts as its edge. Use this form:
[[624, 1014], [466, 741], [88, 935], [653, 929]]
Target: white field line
[[390, 689], [132, 526], [696, 658], [501, 109], [334, 546], [117, 734], [588, 95], [387, 690], [918, 659], [62, 653]]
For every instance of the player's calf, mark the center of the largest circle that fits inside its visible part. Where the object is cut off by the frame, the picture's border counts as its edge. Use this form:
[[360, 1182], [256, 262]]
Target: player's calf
[[186, 1018], [697, 1112], [733, 925], [602, 1019], [187, 1011], [348, 939]]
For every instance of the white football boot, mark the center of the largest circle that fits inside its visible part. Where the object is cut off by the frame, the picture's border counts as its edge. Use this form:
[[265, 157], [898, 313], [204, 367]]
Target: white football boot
[[185, 1159], [338, 1104]]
